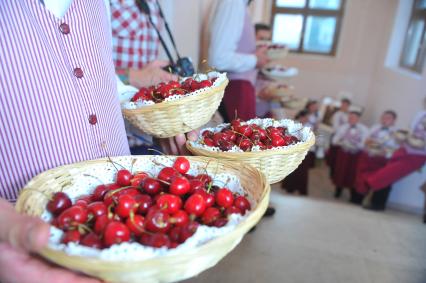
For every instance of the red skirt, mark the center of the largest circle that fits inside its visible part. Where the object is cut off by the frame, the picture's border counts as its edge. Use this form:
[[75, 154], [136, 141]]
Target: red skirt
[[345, 168], [240, 100], [400, 165], [298, 179], [330, 156], [367, 165]]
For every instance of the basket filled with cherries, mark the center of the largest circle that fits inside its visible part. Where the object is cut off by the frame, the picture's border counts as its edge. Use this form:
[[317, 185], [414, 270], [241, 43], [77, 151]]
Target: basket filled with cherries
[[175, 107], [145, 218], [274, 147]]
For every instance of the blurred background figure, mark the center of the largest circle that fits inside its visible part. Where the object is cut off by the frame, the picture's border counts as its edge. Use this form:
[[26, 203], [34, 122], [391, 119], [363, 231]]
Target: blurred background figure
[[297, 181], [408, 158], [378, 148], [313, 115], [233, 49], [350, 138]]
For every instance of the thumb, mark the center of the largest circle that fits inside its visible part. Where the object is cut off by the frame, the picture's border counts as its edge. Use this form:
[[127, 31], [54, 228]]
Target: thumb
[[22, 232]]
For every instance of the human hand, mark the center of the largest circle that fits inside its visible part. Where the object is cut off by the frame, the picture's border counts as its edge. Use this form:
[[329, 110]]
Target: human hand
[[20, 237], [176, 145], [262, 57], [151, 74]]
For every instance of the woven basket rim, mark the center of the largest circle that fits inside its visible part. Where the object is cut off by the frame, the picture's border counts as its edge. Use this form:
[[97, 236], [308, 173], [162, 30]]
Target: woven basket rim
[[112, 265], [242, 155], [166, 104]]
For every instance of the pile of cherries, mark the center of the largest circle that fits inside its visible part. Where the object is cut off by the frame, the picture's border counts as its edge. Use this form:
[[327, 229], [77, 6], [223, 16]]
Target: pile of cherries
[[245, 136], [161, 211], [162, 91]]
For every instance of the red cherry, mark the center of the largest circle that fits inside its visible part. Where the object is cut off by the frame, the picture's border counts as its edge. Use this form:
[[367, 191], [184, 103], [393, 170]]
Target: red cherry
[[144, 203], [208, 142], [187, 231], [278, 141], [142, 94], [83, 201], [72, 216], [167, 174], [169, 203], [100, 224], [179, 218], [123, 178], [174, 84], [179, 186], [159, 240], [242, 203], [245, 130], [125, 206], [220, 222], [97, 209], [208, 197], [59, 202], [91, 240], [205, 83], [196, 184], [151, 186], [210, 215], [181, 165], [71, 236], [195, 205], [135, 224], [157, 220], [206, 179], [233, 209], [99, 192], [224, 198], [174, 234], [116, 233], [236, 123], [245, 144], [207, 134]]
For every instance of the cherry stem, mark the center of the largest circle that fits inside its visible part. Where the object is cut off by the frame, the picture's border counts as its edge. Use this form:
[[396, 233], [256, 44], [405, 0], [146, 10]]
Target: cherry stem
[[84, 227], [157, 151], [94, 177]]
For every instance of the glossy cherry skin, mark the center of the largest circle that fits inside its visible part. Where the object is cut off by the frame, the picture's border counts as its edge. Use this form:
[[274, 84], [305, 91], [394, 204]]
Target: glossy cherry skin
[[157, 220], [59, 202], [242, 203], [126, 205], [169, 203], [92, 240], [210, 215], [71, 236], [135, 224], [195, 205], [144, 203], [179, 186], [179, 218], [72, 216], [97, 208], [181, 165], [224, 198], [115, 233], [151, 186], [167, 174], [123, 178]]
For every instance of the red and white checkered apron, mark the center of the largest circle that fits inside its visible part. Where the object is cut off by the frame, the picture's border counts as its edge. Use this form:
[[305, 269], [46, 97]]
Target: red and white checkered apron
[[135, 42]]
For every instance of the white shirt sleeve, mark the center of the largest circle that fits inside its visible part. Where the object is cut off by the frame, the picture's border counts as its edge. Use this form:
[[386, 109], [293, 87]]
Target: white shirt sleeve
[[226, 28], [337, 138], [364, 134]]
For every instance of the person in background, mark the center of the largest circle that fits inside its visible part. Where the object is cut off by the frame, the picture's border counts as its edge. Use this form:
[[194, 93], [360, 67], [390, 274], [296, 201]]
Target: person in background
[[378, 148], [135, 46], [410, 157], [339, 118], [313, 115], [350, 138], [423, 188], [297, 181], [232, 49], [264, 102], [59, 104]]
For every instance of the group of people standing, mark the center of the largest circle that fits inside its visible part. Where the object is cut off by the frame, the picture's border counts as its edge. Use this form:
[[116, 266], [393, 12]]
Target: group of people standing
[[365, 160]]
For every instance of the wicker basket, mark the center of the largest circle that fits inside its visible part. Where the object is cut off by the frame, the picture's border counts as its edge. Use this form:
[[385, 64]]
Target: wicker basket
[[169, 118], [167, 268], [275, 164]]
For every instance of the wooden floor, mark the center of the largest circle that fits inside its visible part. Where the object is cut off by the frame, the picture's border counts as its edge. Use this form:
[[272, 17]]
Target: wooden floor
[[320, 240]]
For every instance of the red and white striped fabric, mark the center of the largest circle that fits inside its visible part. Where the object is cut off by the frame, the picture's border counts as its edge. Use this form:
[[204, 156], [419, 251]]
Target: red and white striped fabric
[[135, 42], [58, 91]]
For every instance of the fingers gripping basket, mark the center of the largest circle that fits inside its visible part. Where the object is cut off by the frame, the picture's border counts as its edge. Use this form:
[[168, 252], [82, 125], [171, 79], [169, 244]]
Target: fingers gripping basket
[[169, 118], [165, 268], [275, 164]]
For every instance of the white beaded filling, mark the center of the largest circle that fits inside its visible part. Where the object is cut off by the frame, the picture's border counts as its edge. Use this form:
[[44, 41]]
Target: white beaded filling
[[98, 174], [221, 77], [294, 128]]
